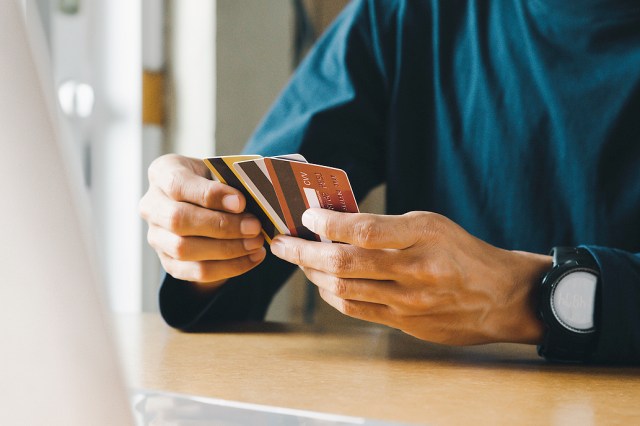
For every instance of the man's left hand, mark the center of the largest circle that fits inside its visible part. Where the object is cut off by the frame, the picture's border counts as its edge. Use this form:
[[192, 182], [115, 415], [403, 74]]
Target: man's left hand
[[421, 273]]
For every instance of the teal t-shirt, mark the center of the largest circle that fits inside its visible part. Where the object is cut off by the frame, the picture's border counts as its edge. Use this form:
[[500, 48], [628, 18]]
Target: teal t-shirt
[[517, 119]]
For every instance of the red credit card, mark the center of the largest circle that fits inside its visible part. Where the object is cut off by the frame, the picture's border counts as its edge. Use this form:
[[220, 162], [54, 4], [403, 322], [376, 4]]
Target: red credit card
[[300, 186]]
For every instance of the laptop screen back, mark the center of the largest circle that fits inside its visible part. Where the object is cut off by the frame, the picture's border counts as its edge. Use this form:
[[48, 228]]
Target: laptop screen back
[[57, 363]]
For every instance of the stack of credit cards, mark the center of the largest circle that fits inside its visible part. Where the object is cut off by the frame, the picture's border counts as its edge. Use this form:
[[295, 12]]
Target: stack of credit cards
[[279, 189]]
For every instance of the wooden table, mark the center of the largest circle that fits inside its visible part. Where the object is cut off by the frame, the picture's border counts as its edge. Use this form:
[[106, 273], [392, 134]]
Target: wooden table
[[375, 373]]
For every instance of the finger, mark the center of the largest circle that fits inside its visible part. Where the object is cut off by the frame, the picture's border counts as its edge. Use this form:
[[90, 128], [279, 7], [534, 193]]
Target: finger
[[341, 260], [186, 219], [183, 184], [365, 230], [373, 291], [366, 311], [210, 270], [201, 248]]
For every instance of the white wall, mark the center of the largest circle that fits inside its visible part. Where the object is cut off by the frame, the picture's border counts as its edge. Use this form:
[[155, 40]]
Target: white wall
[[192, 52], [100, 46], [116, 189], [254, 40]]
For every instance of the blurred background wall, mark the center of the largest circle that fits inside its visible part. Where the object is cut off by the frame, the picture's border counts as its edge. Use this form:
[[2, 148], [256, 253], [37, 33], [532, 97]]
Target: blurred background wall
[[140, 78]]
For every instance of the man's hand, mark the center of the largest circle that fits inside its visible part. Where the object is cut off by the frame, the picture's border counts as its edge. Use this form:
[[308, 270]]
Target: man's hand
[[196, 225], [420, 273]]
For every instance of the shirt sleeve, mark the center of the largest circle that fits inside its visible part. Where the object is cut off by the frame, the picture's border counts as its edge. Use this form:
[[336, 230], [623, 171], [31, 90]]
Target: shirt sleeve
[[245, 298], [333, 112], [618, 310]]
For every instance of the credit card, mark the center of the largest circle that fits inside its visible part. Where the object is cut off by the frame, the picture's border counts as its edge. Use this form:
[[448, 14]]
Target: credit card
[[299, 186], [222, 169], [259, 185], [256, 179]]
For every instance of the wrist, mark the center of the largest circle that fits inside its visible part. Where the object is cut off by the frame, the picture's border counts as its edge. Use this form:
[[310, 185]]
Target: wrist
[[521, 324]]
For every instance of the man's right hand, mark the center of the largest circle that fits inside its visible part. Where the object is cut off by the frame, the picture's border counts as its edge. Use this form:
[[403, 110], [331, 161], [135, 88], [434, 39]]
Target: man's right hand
[[196, 225]]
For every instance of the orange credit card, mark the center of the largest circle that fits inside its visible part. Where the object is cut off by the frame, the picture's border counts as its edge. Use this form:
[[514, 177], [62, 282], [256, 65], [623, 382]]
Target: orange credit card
[[300, 186]]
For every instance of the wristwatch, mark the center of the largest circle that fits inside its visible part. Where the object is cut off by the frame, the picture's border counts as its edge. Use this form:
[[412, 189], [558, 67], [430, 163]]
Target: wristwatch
[[567, 303]]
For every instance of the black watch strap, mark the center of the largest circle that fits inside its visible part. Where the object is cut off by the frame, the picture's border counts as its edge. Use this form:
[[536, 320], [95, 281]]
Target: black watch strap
[[559, 348], [579, 255]]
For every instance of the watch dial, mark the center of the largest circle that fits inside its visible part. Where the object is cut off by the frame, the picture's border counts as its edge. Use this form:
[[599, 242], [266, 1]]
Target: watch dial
[[573, 300]]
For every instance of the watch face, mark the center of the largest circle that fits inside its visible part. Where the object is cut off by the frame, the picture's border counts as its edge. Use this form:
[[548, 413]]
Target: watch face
[[573, 300]]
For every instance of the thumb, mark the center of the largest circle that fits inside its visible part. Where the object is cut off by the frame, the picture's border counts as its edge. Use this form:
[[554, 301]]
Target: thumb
[[363, 229]]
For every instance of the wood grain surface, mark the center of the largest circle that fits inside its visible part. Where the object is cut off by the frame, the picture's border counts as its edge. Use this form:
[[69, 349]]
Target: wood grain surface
[[376, 373]]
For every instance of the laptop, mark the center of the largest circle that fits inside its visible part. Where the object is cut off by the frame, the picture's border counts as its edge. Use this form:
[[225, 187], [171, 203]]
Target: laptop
[[58, 363]]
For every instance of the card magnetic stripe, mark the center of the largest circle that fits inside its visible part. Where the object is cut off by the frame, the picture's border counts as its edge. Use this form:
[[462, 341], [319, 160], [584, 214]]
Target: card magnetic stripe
[[264, 185], [293, 198], [226, 175]]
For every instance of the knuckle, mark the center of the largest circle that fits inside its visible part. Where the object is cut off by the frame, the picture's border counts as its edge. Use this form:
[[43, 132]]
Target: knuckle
[[350, 308], [155, 165], [416, 221], [220, 224], [433, 271], [326, 224], [339, 262], [435, 220], [180, 248], [176, 218], [416, 215], [175, 184], [438, 272], [366, 232], [426, 226], [430, 220], [339, 287], [415, 301], [295, 254], [209, 196], [200, 272], [157, 171]]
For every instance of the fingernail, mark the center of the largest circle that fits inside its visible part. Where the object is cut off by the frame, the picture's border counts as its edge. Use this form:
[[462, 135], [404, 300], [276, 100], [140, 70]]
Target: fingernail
[[277, 247], [251, 244], [250, 226], [257, 255], [309, 218], [231, 202]]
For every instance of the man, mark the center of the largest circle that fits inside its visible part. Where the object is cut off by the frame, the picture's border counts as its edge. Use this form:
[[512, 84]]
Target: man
[[501, 128]]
